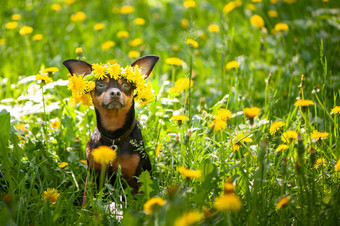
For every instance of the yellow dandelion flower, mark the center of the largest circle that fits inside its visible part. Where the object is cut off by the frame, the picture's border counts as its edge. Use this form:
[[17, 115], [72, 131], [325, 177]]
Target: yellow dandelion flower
[[275, 126], [189, 218], [256, 0], [318, 135], [240, 137], [228, 202], [83, 161], [257, 21], [319, 162], [114, 71], [139, 21], [223, 114], [325, 1], [56, 7], [289, 136], [98, 26], [63, 165], [281, 147], [181, 85], [79, 50], [232, 64], [152, 203], [136, 42], [25, 30], [84, 99], [127, 9], [77, 84], [281, 27], [50, 70], [104, 155], [189, 173], [69, 2], [2, 41], [123, 34], [174, 61], [50, 194], [55, 123], [218, 124], [179, 118], [228, 187], [283, 201], [37, 37], [11, 25], [337, 166], [336, 110], [184, 23], [108, 45], [21, 127], [303, 103], [213, 28], [43, 78], [189, 4], [99, 71], [251, 112], [231, 5], [16, 16], [192, 43], [78, 16], [133, 54], [272, 13]]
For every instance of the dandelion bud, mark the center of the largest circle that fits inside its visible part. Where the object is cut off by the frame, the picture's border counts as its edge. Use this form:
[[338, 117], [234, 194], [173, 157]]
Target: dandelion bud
[[79, 52]]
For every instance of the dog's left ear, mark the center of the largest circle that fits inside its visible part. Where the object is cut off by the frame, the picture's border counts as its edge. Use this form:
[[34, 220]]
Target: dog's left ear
[[78, 67], [146, 64]]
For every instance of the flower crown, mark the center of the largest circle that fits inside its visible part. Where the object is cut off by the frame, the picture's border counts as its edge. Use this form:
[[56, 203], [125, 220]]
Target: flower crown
[[81, 86]]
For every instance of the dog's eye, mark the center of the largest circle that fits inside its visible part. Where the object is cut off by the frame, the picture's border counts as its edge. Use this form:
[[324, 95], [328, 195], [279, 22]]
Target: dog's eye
[[125, 86], [100, 84]]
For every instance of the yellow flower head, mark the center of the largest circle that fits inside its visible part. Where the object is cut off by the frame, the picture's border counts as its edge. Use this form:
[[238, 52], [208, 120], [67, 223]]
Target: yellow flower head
[[136, 42], [50, 70], [43, 78], [123, 34], [50, 194], [337, 166], [289, 136], [108, 45], [319, 162], [272, 13], [79, 50], [283, 201], [55, 123], [189, 173], [281, 147], [232, 5], [228, 202], [281, 27], [78, 16], [63, 165], [189, 4], [133, 54], [218, 124], [179, 118], [181, 85], [228, 187], [318, 135], [213, 28], [251, 112], [26, 30], [275, 127], [223, 114], [232, 64], [127, 9], [336, 110], [83, 161], [16, 16], [11, 25], [56, 7], [303, 103], [98, 26], [251, 7], [240, 137], [150, 205], [184, 23], [192, 43], [139, 21], [257, 21], [174, 61], [99, 71], [189, 218], [104, 155], [37, 37]]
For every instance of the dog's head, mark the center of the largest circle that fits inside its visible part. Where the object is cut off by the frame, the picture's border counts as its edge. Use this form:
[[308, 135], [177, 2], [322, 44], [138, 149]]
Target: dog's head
[[110, 93]]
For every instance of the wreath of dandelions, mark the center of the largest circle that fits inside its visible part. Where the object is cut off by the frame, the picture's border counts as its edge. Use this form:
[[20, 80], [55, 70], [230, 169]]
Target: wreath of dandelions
[[81, 86]]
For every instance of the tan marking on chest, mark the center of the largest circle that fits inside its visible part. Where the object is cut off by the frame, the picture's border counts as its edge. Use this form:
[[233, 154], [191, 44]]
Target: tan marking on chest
[[128, 164]]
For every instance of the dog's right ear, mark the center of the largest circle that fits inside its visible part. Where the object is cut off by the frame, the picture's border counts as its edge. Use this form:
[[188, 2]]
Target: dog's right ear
[[78, 67]]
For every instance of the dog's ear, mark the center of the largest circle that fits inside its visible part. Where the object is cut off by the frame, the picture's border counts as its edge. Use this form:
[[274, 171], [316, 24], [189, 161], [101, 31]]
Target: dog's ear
[[146, 64], [78, 67]]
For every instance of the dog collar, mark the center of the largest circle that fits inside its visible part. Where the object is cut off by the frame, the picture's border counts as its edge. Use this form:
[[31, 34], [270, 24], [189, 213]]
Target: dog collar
[[116, 141]]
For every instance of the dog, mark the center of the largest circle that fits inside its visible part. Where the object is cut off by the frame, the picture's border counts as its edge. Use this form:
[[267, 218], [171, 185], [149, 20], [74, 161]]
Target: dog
[[117, 125]]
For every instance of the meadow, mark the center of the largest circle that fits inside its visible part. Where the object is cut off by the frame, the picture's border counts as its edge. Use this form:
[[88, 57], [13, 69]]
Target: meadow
[[242, 128]]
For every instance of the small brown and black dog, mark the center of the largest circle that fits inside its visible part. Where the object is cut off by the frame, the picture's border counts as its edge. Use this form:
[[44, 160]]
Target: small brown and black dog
[[116, 123]]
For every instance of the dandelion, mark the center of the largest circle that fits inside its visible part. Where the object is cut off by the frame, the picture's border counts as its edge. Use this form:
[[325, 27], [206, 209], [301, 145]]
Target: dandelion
[[16, 17], [174, 61], [189, 4], [43, 78], [136, 42], [11, 25], [104, 155], [50, 194], [337, 166], [69, 2], [275, 126], [257, 21], [21, 127], [123, 34], [79, 51], [272, 13], [184, 23], [228, 202], [289, 136], [56, 7], [158, 149], [108, 45], [37, 37], [127, 9], [50, 70], [240, 137], [281, 147], [189, 173], [251, 112], [179, 118], [133, 54], [336, 110], [218, 125], [274, 1], [152, 203], [78, 16], [2, 41], [303, 103], [77, 84], [228, 187], [63, 165], [98, 26], [319, 135], [281, 27], [192, 43], [283, 201], [189, 218], [232, 64], [26, 30], [256, 0], [232, 5], [139, 21], [83, 161], [319, 162], [213, 28], [99, 71], [84, 99], [55, 123], [223, 114]]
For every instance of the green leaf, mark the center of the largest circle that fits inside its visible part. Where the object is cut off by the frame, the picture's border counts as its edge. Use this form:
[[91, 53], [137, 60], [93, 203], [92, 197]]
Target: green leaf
[[5, 129], [146, 181]]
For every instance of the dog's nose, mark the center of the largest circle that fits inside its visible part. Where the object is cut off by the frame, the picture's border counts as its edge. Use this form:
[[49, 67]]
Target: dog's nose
[[115, 93]]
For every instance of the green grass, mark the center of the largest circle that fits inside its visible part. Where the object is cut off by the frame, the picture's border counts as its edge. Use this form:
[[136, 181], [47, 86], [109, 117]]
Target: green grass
[[269, 77]]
